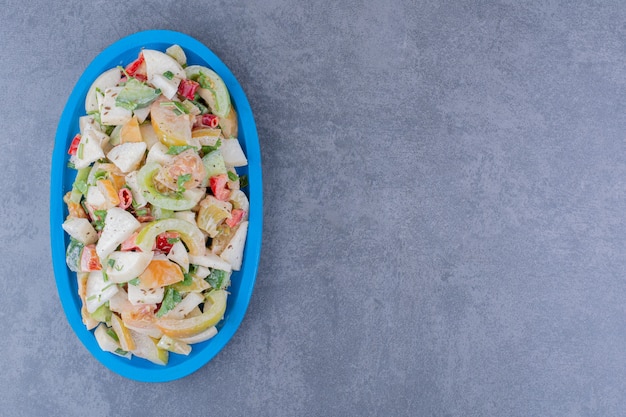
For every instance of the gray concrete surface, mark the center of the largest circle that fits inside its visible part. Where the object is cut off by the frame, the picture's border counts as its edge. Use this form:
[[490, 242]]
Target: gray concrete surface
[[444, 214]]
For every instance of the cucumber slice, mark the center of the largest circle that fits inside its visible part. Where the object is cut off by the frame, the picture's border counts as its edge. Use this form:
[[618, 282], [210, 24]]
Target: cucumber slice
[[212, 89]]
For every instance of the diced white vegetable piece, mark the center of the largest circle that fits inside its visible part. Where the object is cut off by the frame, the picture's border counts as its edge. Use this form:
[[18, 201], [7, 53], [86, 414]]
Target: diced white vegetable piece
[[210, 260], [137, 295], [158, 63], [202, 272], [106, 80], [95, 198], [187, 215], [142, 113], [168, 87], [195, 194], [133, 183], [191, 301], [118, 226], [179, 254], [233, 253], [107, 343], [99, 291], [89, 148], [145, 347], [127, 156], [148, 134], [232, 153], [110, 113], [119, 302], [81, 230], [124, 266], [158, 153], [176, 52], [200, 337], [88, 122]]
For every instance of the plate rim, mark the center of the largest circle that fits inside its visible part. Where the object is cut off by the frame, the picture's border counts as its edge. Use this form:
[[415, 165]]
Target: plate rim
[[59, 172]]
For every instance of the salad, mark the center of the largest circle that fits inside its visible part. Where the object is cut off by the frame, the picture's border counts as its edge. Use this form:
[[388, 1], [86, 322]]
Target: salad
[[157, 219]]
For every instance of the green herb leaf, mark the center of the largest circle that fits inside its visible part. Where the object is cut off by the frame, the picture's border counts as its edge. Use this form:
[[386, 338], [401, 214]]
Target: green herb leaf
[[218, 279], [243, 181], [120, 351], [187, 281], [178, 107], [113, 335], [181, 180], [99, 221], [203, 109], [171, 298], [168, 74], [134, 281], [111, 263], [208, 149], [232, 176], [172, 240], [175, 150]]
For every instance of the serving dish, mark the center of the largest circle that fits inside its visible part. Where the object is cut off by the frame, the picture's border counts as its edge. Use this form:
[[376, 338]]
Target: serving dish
[[122, 53]]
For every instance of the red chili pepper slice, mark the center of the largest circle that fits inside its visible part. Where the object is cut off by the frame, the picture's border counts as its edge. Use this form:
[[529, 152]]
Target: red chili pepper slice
[[210, 120], [136, 66], [164, 241], [187, 88], [74, 145], [126, 198]]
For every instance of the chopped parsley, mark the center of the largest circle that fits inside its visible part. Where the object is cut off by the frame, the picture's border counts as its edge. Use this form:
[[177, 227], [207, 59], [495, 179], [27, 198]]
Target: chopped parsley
[[113, 335], [218, 279], [187, 281], [171, 298], [181, 180], [178, 107], [243, 181], [232, 176], [175, 150], [99, 221], [208, 149], [203, 109], [168, 74], [134, 281]]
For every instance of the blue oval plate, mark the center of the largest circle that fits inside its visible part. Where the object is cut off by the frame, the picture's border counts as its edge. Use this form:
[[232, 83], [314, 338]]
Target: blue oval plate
[[122, 53]]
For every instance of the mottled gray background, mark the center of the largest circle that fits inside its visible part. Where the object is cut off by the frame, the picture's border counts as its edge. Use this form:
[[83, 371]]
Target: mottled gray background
[[444, 209]]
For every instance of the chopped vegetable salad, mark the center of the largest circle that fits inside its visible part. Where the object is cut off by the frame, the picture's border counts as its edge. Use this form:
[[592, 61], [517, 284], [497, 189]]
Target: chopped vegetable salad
[[157, 219]]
